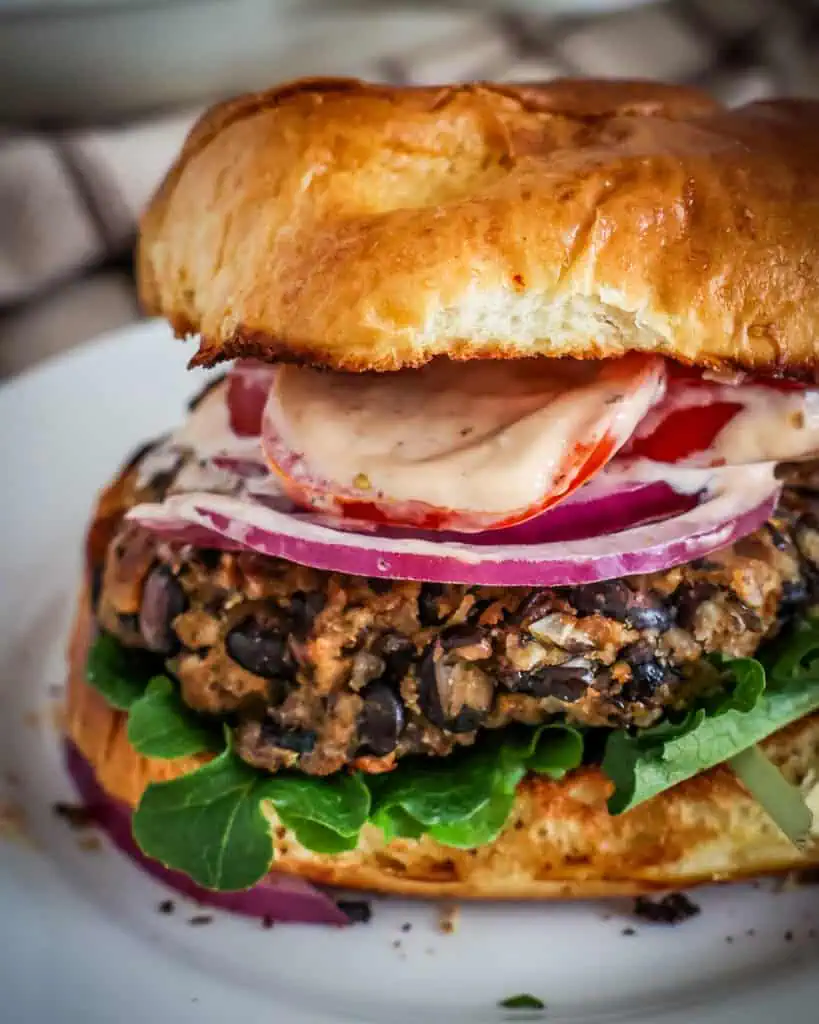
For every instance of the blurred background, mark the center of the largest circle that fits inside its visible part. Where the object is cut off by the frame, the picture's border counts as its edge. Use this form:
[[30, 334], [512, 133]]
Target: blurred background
[[96, 97]]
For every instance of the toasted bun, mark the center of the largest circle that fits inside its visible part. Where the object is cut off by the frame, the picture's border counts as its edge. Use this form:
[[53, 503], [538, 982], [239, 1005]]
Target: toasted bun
[[560, 841], [365, 227]]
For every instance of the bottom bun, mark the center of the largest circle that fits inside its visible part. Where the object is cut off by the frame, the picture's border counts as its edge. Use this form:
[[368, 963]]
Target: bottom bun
[[560, 842]]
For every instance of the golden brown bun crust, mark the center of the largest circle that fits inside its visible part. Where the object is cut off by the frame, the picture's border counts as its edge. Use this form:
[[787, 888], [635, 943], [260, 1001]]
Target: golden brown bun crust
[[560, 842], [370, 227]]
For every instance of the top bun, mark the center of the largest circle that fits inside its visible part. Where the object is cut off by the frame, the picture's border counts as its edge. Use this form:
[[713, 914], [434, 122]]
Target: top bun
[[366, 227]]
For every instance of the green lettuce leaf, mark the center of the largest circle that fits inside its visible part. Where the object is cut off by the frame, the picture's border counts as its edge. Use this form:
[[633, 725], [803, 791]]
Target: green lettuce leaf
[[465, 800], [161, 725], [121, 674], [340, 802], [557, 750], [395, 823], [210, 823], [485, 824], [316, 837]]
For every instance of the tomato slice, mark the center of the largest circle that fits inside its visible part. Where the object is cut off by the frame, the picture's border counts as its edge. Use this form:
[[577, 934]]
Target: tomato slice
[[697, 422], [427, 517], [464, 447], [248, 386], [685, 432]]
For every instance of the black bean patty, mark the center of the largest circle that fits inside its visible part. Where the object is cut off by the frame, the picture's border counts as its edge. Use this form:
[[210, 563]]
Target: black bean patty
[[318, 670]]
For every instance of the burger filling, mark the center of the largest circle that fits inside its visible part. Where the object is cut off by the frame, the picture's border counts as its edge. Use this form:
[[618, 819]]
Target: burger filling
[[380, 582]]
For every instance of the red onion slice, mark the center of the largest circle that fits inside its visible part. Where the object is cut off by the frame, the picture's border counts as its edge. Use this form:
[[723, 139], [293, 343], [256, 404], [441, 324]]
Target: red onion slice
[[576, 519], [737, 502], [278, 898]]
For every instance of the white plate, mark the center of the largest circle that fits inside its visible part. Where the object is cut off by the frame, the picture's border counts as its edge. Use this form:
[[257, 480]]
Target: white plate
[[80, 935]]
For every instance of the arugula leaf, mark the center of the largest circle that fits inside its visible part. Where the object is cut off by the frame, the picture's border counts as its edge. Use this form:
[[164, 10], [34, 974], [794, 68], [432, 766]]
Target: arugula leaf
[[485, 824], [316, 837], [119, 673], [524, 1001], [644, 763], [432, 796], [795, 657], [340, 802], [161, 725], [466, 800], [558, 749], [395, 823], [208, 824]]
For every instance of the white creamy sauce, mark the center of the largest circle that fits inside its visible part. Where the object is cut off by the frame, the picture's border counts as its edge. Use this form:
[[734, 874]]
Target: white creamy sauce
[[627, 471], [483, 436], [772, 426], [205, 434], [207, 429]]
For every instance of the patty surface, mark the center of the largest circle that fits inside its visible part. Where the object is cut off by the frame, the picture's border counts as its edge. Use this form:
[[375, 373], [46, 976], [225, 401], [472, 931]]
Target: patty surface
[[318, 670]]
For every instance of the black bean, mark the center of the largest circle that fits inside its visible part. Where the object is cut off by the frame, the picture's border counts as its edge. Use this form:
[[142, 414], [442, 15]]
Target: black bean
[[460, 636], [477, 610], [648, 676], [705, 564], [428, 614], [304, 607], [467, 720], [381, 719], [302, 741], [129, 622], [639, 653], [612, 598], [794, 592], [647, 673], [210, 558], [398, 653], [648, 612], [396, 643], [688, 598], [429, 697], [259, 649], [535, 606], [565, 682], [616, 600], [163, 599]]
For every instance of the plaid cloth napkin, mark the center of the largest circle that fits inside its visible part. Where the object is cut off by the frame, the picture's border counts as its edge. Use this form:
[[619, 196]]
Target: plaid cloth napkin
[[69, 200]]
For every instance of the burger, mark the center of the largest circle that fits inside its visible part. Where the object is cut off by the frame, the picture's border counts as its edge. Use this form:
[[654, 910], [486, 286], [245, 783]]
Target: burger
[[487, 567]]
